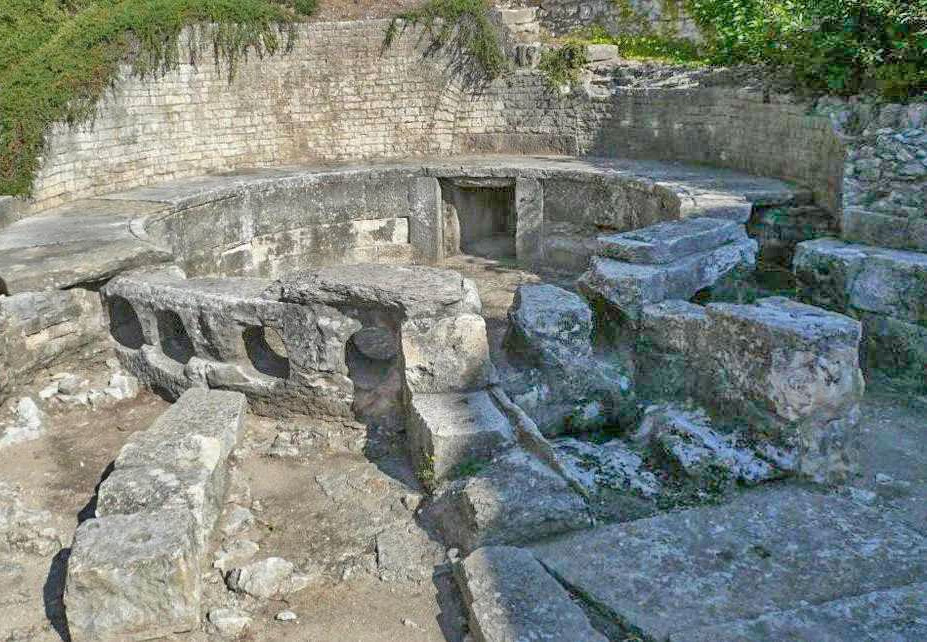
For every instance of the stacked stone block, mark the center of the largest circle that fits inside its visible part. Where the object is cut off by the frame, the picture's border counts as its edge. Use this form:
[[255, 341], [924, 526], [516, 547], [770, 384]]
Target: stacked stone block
[[134, 570]]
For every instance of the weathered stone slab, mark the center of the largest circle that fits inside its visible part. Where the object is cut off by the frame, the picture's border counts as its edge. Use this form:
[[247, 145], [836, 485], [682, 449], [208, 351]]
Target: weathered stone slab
[[131, 490], [629, 286], [884, 230], [509, 596], [516, 499], [763, 553], [409, 291], [197, 432], [133, 577], [861, 278], [895, 614], [447, 430], [896, 347], [667, 242], [449, 354]]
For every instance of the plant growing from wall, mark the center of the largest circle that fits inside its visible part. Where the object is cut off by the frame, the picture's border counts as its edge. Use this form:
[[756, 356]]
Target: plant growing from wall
[[562, 65], [57, 58], [464, 23]]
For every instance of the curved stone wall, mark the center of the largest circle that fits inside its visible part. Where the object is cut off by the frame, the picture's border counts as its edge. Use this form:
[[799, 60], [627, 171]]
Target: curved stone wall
[[339, 96]]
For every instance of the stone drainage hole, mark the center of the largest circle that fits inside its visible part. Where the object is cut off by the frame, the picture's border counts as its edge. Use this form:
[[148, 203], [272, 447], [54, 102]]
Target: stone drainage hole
[[266, 351], [373, 365]]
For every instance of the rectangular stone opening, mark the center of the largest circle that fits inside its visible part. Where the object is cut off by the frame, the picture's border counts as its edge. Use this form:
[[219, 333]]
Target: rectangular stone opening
[[479, 217]]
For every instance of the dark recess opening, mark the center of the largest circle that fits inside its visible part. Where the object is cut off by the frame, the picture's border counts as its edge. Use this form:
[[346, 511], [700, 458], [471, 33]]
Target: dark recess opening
[[266, 351], [372, 358], [175, 342], [124, 324], [482, 217], [3, 289]]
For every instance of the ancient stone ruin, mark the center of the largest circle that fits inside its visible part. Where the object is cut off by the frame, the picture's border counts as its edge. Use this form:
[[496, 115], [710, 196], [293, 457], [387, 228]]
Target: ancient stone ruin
[[351, 346]]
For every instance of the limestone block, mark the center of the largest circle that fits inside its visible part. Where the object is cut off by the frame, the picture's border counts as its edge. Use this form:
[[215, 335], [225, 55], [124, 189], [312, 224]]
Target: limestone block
[[197, 432], [509, 596], [450, 354], [133, 577], [516, 499], [787, 370], [628, 287], [860, 278], [667, 242], [131, 490], [549, 325], [447, 430], [529, 210]]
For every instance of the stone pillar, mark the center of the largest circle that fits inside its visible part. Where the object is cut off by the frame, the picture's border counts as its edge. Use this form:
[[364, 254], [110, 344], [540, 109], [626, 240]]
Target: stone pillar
[[529, 208], [426, 232]]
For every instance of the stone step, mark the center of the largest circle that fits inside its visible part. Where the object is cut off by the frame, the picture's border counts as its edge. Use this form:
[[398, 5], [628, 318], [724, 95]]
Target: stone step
[[667, 242], [765, 552], [850, 277], [884, 230], [897, 614], [628, 287], [509, 596], [449, 430], [515, 499]]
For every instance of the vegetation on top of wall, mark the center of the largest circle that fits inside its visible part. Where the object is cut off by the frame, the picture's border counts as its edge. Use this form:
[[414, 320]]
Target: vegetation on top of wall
[[58, 57], [838, 46], [463, 22], [645, 46]]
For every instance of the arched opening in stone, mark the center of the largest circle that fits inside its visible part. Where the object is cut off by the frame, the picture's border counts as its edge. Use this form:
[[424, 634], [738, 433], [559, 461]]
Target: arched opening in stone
[[479, 217], [175, 342], [266, 351], [124, 324], [374, 366]]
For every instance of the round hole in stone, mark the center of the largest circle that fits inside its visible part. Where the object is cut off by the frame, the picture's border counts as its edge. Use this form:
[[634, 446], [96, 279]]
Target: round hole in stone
[[124, 324], [175, 342], [266, 351]]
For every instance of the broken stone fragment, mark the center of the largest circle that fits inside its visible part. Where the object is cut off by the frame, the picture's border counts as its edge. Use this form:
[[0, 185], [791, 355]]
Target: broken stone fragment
[[27, 424], [234, 554], [611, 465], [686, 437], [510, 596], [133, 577], [230, 623], [273, 577], [122, 387], [548, 325]]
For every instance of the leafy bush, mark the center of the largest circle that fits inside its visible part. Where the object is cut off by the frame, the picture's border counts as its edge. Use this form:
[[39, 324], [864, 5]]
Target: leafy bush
[[838, 46], [465, 21], [57, 58], [563, 64]]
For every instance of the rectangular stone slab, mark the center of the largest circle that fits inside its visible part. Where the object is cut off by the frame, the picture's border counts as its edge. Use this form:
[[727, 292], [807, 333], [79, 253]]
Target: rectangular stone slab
[[630, 286], [853, 277], [897, 614], [198, 431], [670, 241], [446, 430], [509, 596], [764, 552], [133, 577]]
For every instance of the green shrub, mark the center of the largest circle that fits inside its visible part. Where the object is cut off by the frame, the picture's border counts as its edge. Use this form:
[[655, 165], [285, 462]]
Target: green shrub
[[306, 7], [644, 46], [837, 46], [562, 65], [466, 22], [57, 58]]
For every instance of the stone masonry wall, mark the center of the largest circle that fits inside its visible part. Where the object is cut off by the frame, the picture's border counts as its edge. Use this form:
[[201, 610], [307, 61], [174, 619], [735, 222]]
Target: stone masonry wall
[[618, 16], [339, 96]]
